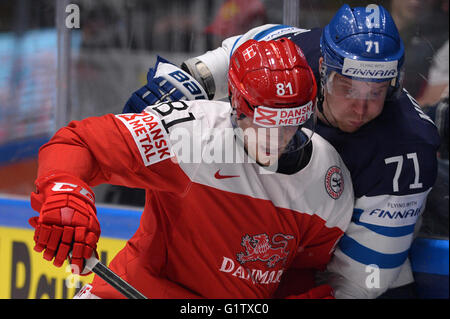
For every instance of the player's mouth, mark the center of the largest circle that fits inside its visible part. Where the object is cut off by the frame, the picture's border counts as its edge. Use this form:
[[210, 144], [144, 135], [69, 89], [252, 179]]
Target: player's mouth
[[356, 124]]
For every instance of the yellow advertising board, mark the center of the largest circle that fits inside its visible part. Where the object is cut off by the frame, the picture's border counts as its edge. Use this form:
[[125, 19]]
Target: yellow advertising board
[[24, 274]]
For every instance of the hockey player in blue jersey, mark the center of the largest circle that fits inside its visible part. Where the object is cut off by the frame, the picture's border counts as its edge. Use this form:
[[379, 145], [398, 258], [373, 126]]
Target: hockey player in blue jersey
[[387, 142]]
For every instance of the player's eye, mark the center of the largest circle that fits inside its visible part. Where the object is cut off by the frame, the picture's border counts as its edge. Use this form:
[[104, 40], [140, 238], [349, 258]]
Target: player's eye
[[375, 93], [345, 88]]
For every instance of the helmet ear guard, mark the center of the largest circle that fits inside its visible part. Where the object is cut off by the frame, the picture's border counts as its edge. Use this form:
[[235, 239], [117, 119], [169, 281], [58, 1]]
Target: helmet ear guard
[[238, 99], [396, 86]]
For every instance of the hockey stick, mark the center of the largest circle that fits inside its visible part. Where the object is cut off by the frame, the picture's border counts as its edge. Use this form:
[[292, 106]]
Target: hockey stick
[[94, 265]]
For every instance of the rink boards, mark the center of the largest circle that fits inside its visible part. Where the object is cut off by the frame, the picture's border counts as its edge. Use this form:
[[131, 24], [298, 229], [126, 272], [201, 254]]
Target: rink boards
[[25, 274]]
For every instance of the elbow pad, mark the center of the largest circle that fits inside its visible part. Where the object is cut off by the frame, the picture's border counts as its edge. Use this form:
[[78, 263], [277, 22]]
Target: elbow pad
[[199, 71]]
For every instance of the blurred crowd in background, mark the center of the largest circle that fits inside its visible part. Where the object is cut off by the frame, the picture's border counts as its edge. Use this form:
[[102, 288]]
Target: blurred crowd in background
[[118, 40]]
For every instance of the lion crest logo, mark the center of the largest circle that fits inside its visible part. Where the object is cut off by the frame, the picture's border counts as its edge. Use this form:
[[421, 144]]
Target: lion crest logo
[[258, 247]]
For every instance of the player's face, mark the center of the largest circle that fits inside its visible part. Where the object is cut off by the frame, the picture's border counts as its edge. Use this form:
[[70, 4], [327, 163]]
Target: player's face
[[350, 104], [265, 145]]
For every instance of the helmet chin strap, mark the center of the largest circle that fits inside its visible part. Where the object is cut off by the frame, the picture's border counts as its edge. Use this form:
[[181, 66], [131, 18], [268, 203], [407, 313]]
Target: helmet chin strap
[[320, 101], [321, 95]]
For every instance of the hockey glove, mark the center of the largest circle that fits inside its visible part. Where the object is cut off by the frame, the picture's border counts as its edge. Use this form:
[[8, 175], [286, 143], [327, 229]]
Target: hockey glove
[[67, 226], [165, 83], [319, 292]]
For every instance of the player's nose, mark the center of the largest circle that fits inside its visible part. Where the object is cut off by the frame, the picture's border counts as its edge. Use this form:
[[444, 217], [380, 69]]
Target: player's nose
[[359, 107]]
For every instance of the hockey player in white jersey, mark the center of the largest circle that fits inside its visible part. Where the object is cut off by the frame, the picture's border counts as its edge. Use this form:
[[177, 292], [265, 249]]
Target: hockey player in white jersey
[[225, 226], [384, 138]]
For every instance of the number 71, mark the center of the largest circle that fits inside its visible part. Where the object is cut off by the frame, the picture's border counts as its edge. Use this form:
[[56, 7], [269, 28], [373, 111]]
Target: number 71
[[399, 161], [371, 44]]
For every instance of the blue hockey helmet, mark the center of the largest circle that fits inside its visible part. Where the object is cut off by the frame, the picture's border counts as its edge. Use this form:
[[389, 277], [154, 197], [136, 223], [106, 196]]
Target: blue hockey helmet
[[363, 43]]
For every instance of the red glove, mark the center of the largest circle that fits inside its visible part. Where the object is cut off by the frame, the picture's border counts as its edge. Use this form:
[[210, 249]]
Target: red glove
[[67, 222], [319, 292]]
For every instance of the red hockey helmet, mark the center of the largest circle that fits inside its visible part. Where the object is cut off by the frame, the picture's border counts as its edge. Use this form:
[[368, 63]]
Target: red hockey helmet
[[272, 89], [271, 82]]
